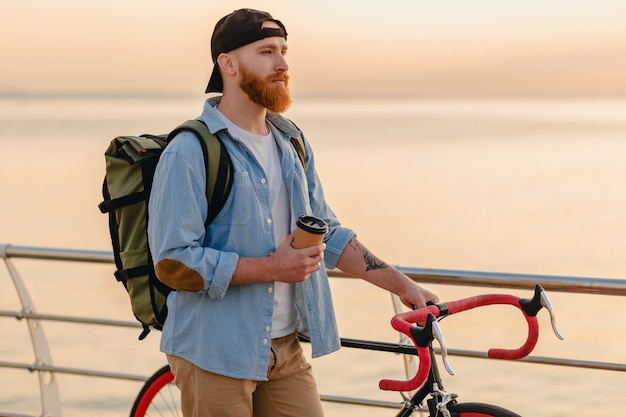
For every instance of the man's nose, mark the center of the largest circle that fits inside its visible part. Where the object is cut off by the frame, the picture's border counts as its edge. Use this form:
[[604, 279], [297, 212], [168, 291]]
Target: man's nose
[[281, 64]]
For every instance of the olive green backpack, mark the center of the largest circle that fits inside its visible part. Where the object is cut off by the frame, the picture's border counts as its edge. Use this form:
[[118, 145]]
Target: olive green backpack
[[130, 165]]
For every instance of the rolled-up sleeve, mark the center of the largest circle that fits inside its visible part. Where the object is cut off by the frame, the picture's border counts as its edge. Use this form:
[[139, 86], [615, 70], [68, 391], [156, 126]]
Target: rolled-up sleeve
[[335, 244], [177, 212]]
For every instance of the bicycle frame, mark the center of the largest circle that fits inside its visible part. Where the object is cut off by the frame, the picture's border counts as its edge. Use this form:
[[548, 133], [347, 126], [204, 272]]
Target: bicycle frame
[[414, 403], [433, 386]]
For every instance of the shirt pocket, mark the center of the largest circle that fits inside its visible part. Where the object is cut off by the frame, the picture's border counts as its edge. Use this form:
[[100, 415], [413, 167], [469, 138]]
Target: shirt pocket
[[238, 206]]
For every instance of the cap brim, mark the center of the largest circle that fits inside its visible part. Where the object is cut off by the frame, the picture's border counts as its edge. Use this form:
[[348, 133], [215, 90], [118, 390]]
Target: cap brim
[[215, 82]]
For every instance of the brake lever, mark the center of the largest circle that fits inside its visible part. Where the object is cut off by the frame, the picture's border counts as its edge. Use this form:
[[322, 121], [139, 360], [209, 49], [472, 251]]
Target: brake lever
[[438, 335], [532, 306], [545, 302]]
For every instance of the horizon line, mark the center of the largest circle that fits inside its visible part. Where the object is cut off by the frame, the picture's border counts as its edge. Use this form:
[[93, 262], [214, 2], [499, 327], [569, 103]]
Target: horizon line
[[119, 95]]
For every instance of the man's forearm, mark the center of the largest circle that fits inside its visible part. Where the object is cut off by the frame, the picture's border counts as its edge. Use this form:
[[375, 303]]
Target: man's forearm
[[358, 261]]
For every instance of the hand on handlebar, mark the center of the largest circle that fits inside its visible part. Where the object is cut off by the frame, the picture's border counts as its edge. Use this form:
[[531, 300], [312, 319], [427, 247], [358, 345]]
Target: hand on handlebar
[[422, 337]]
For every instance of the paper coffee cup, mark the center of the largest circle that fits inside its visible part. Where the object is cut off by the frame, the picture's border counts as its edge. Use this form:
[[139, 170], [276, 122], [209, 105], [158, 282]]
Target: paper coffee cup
[[310, 231]]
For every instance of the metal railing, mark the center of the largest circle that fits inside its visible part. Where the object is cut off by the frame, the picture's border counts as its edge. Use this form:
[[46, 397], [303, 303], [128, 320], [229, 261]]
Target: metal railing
[[50, 401]]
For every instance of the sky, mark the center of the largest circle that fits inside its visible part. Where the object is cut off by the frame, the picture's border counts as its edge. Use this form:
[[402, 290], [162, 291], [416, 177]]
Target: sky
[[339, 47]]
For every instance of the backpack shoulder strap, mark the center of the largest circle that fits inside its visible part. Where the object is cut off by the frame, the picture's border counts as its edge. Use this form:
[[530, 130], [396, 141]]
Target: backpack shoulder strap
[[219, 167], [298, 144]]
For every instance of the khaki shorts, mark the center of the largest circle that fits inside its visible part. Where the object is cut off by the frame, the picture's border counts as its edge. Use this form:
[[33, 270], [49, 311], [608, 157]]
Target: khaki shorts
[[289, 392]]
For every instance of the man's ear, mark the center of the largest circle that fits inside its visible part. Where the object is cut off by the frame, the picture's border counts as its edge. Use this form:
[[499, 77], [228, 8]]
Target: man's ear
[[227, 64]]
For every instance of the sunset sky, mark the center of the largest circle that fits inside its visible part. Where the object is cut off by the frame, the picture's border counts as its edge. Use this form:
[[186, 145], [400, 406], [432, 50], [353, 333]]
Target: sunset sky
[[394, 47]]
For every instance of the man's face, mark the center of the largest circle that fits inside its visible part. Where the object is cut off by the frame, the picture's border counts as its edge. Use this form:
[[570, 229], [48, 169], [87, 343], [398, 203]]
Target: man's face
[[263, 72]]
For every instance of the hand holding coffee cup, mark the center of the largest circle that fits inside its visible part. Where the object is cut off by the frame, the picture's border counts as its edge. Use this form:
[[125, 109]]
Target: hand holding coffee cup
[[310, 231]]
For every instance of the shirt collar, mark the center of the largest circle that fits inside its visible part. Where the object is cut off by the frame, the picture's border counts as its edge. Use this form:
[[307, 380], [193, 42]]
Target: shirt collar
[[215, 123]]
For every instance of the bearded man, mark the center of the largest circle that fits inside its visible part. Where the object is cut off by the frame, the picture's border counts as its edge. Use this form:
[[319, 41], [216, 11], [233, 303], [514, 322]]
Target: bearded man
[[243, 292]]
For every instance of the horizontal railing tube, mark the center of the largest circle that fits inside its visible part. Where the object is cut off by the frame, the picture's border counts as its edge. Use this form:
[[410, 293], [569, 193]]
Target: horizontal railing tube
[[69, 319], [73, 371], [585, 285], [54, 254]]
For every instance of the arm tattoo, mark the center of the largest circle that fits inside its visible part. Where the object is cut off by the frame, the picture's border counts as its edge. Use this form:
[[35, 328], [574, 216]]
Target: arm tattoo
[[371, 262]]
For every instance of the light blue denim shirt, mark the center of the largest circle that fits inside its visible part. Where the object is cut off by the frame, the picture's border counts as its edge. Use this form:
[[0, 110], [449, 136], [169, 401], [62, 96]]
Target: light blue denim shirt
[[226, 329]]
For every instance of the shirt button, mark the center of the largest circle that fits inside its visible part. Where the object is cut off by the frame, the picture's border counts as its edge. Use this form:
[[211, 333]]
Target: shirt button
[[270, 289], [269, 221], [267, 328], [265, 341], [263, 180]]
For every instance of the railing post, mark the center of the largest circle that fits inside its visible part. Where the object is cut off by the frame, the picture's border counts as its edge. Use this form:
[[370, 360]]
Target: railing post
[[48, 388]]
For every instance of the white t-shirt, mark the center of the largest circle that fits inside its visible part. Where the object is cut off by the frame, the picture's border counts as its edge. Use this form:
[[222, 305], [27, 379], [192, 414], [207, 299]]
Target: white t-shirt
[[265, 150]]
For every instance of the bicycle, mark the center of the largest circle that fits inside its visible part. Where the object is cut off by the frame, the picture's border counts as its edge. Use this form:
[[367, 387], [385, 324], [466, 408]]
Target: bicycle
[[160, 396]]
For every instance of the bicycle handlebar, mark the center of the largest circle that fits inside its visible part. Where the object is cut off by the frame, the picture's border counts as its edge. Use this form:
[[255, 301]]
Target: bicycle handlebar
[[422, 337]]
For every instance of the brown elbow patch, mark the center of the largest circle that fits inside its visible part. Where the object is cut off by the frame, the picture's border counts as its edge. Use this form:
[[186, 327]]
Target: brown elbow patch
[[179, 276]]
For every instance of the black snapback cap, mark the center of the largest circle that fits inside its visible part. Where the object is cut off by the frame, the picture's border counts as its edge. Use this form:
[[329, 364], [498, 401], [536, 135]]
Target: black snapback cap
[[235, 30]]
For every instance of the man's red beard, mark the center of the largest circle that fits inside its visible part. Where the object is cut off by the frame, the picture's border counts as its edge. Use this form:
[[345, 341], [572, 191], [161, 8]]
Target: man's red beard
[[275, 98]]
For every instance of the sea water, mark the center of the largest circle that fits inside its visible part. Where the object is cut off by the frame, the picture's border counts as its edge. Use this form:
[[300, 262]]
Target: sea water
[[503, 185]]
